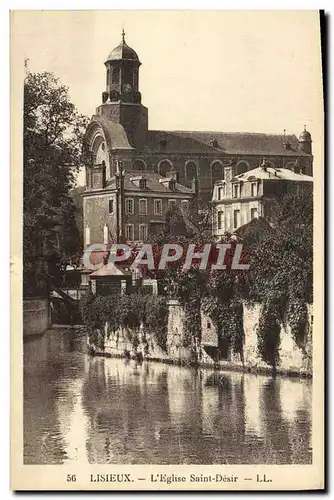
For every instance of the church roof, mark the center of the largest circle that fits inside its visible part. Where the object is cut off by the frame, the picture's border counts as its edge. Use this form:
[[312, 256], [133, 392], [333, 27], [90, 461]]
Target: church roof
[[153, 183], [223, 142]]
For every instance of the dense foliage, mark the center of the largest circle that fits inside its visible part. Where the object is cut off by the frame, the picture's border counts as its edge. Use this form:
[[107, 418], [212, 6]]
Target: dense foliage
[[125, 311], [52, 133]]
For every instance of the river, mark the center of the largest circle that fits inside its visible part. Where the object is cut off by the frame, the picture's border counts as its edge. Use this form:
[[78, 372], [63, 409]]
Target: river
[[103, 410]]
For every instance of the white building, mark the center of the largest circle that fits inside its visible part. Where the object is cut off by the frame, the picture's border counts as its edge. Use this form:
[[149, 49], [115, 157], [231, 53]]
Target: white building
[[238, 199]]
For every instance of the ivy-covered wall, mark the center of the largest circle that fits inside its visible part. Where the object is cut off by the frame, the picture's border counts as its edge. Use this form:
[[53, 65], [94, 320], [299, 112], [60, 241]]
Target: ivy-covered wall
[[141, 342]]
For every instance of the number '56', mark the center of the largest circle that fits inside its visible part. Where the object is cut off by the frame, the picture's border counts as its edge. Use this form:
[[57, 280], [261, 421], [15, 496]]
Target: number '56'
[[71, 478]]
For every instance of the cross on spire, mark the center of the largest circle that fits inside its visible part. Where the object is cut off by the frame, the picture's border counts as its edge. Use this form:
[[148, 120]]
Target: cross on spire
[[123, 35]]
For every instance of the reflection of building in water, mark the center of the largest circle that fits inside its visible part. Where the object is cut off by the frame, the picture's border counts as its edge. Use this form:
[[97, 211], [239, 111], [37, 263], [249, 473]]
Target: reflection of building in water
[[179, 379], [285, 435], [296, 402], [253, 419], [122, 427], [296, 395], [73, 421]]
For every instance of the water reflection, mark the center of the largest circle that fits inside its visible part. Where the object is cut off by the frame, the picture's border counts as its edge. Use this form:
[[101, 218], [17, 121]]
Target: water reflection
[[99, 410]]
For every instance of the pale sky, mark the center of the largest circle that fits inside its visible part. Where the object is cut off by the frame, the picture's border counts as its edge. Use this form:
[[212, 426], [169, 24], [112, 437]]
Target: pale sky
[[232, 71]]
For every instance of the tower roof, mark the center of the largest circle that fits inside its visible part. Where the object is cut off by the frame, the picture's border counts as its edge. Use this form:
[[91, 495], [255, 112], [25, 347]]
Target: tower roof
[[123, 52], [305, 136]]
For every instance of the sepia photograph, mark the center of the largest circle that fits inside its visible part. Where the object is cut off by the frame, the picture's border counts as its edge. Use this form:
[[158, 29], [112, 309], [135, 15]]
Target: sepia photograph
[[170, 169]]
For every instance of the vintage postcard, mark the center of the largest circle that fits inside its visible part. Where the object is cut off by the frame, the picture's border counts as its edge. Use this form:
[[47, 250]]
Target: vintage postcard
[[167, 253]]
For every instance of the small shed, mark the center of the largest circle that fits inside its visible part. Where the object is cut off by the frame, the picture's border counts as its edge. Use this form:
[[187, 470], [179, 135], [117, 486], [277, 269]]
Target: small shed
[[111, 279]]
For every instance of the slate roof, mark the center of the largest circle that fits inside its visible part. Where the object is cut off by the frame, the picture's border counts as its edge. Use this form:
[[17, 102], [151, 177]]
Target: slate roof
[[274, 174], [152, 183], [226, 142], [122, 52], [114, 133]]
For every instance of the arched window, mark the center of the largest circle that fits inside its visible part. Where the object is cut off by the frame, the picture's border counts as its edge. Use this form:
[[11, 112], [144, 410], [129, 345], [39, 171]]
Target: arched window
[[108, 76], [164, 167], [190, 171], [115, 74], [139, 165], [217, 171], [242, 166]]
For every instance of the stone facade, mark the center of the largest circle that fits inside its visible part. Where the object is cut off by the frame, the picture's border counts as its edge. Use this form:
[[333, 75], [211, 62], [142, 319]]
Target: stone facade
[[133, 208], [238, 199], [118, 132]]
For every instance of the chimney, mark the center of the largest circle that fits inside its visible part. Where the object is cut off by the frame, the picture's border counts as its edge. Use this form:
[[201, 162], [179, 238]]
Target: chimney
[[173, 174], [264, 164], [194, 186], [229, 171]]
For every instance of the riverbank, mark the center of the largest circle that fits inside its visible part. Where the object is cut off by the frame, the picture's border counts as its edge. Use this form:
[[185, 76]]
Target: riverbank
[[102, 410], [147, 350]]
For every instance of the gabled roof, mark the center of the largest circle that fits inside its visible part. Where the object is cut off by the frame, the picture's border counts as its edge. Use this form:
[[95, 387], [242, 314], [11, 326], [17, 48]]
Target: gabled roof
[[274, 174], [153, 183], [223, 143], [110, 269]]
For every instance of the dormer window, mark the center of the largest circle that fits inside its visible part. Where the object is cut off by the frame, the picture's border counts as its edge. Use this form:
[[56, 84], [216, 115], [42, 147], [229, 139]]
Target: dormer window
[[168, 182], [139, 181]]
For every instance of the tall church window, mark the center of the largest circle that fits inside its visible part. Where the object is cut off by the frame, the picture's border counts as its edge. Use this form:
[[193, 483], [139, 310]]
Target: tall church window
[[217, 172], [139, 165], [165, 167], [190, 172], [242, 166]]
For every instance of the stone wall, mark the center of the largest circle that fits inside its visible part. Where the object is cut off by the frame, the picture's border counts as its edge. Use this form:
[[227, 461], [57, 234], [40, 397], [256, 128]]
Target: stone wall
[[293, 360], [36, 318]]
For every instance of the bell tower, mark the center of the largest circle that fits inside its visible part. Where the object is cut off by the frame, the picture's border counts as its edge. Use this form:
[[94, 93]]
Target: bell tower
[[121, 100]]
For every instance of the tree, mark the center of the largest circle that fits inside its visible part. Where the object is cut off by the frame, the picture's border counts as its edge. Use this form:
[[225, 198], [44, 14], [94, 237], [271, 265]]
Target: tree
[[52, 135]]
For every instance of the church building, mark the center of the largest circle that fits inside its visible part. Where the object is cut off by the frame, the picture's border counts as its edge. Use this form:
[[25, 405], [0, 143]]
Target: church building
[[118, 135]]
